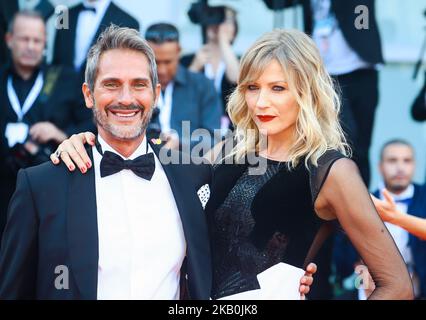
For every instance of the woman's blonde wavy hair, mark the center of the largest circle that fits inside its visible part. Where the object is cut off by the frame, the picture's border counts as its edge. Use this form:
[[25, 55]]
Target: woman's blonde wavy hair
[[317, 124]]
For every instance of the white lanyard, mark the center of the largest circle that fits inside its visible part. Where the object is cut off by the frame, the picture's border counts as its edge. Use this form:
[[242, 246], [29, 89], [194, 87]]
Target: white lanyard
[[165, 105], [29, 101]]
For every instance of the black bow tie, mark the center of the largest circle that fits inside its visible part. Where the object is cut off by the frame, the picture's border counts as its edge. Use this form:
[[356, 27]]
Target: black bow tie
[[143, 166]]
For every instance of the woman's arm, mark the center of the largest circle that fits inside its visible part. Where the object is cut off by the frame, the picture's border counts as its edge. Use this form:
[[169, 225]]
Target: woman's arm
[[389, 212], [345, 197], [414, 225]]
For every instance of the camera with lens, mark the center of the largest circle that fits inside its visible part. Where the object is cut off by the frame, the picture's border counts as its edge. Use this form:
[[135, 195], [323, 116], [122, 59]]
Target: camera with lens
[[205, 15]]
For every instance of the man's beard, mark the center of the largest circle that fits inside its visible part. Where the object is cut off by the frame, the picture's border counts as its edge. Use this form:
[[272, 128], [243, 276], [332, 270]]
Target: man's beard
[[396, 187], [123, 132]]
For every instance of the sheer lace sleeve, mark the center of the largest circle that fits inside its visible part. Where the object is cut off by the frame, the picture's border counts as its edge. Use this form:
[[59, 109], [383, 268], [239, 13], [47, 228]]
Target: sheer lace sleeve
[[319, 173], [343, 194]]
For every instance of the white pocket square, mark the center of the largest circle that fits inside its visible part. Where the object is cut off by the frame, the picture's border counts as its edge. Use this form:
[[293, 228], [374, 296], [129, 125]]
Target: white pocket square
[[204, 195]]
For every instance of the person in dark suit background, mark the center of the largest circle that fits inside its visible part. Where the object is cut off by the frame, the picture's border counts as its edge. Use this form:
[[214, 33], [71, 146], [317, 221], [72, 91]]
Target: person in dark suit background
[[402, 194], [418, 109], [40, 105], [400, 200], [7, 9], [351, 51], [186, 95], [74, 221], [86, 22]]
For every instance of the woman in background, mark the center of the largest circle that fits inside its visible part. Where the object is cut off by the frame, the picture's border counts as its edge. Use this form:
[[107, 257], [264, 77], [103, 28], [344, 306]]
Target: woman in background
[[216, 59]]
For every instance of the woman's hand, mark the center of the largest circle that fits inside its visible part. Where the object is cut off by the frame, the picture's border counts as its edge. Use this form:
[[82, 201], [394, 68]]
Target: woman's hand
[[386, 208], [72, 152], [201, 58], [307, 280]]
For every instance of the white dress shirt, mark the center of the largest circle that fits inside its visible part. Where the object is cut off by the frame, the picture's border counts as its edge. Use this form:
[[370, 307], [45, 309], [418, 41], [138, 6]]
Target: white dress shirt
[[339, 58], [87, 24], [141, 240]]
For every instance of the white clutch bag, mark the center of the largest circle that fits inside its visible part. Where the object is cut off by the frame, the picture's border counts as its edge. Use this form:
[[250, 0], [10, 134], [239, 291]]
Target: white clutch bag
[[279, 282]]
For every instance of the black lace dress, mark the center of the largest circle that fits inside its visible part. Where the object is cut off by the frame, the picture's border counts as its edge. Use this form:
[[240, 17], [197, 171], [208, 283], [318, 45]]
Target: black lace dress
[[257, 221]]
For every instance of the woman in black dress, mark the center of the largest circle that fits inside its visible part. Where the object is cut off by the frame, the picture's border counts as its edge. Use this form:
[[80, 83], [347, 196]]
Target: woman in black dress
[[258, 220]]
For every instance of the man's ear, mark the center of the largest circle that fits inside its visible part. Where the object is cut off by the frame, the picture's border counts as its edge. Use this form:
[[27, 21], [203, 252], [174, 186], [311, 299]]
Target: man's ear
[[8, 38], [157, 93], [88, 97]]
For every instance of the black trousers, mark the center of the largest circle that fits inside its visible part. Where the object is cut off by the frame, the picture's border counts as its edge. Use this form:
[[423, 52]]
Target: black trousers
[[359, 92]]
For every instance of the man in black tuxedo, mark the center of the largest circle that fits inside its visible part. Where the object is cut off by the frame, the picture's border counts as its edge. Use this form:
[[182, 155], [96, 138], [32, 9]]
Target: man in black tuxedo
[[137, 233], [87, 20], [40, 106]]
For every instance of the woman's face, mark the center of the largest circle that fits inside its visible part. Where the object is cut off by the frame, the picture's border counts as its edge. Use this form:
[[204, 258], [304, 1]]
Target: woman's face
[[271, 104]]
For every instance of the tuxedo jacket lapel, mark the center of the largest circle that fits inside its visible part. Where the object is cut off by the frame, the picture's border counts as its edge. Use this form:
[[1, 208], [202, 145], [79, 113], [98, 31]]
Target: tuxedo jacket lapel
[[65, 40], [106, 21], [82, 227], [72, 35]]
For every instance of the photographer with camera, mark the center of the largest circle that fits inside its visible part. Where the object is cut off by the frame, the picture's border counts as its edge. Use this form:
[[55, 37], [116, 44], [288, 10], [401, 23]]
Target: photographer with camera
[[40, 104], [216, 58]]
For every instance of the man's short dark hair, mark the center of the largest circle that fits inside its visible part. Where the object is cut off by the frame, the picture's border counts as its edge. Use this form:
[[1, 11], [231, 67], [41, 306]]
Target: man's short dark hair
[[162, 32], [393, 142], [24, 13]]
